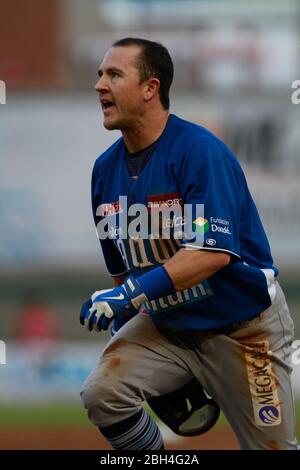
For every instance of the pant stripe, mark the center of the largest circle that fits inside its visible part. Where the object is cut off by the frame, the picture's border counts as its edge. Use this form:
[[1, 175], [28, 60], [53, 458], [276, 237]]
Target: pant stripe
[[143, 435]]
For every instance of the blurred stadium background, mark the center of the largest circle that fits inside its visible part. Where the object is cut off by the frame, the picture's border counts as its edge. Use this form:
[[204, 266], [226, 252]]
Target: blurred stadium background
[[235, 62]]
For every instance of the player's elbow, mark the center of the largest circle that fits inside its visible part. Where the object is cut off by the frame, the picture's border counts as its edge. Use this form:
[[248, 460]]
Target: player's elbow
[[221, 260]]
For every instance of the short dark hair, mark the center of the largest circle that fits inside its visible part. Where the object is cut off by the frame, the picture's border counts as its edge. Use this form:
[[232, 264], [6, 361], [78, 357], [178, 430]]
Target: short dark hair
[[154, 61]]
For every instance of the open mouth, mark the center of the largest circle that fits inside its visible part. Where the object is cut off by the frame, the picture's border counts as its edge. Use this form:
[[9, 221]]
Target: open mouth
[[107, 105]]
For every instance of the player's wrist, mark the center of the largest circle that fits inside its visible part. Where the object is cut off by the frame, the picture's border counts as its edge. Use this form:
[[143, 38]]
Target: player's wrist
[[156, 283], [134, 292], [151, 285]]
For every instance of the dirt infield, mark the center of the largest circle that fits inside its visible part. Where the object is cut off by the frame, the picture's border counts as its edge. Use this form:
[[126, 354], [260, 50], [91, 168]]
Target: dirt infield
[[89, 438]]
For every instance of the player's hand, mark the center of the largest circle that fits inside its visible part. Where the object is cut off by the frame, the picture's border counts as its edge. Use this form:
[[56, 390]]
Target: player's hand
[[105, 305]]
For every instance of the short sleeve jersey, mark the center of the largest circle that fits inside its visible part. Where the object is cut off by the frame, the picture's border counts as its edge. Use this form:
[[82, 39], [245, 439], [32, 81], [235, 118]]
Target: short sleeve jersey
[[189, 167]]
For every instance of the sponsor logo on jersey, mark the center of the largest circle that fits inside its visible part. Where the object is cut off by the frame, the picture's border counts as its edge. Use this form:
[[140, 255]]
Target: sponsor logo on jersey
[[109, 208], [161, 202], [219, 225], [200, 225], [115, 232], [180, 298], [262, 383], [164, 216], [217, 228], [210, 241], [218, 220], [168, 222]]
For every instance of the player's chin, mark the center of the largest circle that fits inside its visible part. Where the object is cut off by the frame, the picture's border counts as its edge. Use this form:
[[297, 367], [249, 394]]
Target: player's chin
[[110, 125]]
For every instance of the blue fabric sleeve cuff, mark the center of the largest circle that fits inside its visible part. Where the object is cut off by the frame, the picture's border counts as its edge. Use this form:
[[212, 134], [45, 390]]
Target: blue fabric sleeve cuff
[[156, 283]]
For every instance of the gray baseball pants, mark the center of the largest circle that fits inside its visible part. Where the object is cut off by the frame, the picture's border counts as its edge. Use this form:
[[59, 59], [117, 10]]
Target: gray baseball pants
[[245, 368]]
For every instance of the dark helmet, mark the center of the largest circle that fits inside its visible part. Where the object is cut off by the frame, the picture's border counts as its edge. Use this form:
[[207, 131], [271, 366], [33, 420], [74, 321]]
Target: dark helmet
[[187, 411]]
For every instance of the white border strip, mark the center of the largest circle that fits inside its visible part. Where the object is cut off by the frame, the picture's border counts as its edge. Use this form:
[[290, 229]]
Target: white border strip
[[205, 248]]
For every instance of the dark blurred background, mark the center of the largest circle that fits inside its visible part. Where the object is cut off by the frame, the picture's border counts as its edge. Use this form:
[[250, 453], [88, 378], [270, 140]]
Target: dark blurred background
[[235, 62]]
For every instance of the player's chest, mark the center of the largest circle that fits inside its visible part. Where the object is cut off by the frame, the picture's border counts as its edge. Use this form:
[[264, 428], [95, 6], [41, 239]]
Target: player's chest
[[155, 187]]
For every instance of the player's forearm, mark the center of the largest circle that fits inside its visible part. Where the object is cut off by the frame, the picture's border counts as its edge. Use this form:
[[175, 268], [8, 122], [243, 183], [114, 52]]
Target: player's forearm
[[187, 268]]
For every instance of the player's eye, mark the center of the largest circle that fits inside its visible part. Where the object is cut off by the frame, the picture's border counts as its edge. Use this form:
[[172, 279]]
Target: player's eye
[[114, 74]]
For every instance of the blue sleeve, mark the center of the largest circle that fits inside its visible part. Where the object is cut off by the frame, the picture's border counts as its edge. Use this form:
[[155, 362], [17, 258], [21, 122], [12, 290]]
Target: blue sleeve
[[113, 260], [210, 176], [115, 265]]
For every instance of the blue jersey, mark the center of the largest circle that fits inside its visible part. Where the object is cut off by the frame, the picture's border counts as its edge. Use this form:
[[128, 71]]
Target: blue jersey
[[190, 165]]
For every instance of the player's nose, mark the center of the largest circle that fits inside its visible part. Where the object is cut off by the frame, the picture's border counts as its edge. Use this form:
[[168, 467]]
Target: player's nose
[[101, 85]]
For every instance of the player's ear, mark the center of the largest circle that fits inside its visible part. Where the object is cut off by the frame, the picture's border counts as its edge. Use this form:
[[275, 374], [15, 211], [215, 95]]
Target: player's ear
[[151, 88]]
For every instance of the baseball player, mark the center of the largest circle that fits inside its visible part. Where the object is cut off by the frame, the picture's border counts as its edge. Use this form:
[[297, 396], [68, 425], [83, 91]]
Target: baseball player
[[198, 305]]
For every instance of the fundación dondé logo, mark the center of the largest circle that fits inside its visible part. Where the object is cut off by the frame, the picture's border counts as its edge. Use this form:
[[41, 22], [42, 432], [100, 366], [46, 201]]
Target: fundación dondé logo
[[200, 225]]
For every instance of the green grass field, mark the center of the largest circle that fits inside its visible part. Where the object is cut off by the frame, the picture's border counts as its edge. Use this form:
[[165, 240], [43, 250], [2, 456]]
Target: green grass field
[[50, 415], [62, 415]]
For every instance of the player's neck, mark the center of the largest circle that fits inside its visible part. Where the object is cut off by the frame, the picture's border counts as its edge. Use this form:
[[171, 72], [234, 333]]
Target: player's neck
[[146, 132]]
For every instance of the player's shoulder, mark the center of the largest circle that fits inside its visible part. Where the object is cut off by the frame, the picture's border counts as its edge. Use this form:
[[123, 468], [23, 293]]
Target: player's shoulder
[[193, 134], [107, 156], [198, 144]]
